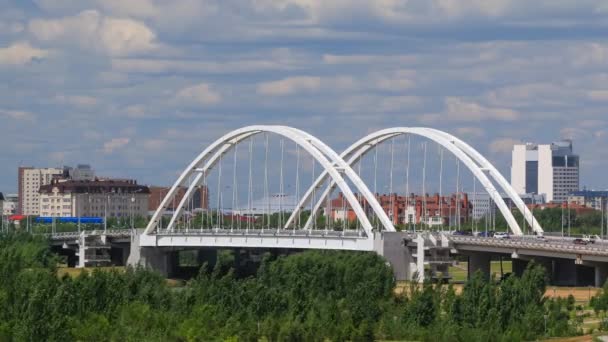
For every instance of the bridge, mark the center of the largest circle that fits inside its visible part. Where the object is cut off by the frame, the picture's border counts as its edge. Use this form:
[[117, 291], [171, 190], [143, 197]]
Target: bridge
[[409, 253]]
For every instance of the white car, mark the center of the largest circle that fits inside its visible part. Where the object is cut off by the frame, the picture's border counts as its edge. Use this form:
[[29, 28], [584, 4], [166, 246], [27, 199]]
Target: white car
[[501, 235]]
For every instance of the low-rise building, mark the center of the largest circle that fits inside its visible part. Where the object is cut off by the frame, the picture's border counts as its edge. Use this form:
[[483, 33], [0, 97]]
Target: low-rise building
[[9, 205], [431, 210], [597, 200], [200, 198], [94, 198]]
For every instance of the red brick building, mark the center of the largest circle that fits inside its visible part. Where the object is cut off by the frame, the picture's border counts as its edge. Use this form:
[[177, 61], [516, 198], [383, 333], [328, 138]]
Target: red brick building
[[200, 198], [433, 210]]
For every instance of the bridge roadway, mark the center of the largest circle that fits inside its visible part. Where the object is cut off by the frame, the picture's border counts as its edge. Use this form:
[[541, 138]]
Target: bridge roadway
[[148, 249]]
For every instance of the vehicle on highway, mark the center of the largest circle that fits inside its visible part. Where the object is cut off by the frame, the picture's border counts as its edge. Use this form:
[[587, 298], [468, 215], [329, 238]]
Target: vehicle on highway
[[579, 241], [502, 235], [485, 234], [589, 238], [462, 232], [541, 238]]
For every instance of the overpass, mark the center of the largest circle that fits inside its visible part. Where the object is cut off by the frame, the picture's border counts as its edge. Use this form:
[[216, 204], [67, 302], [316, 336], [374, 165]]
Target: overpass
[[409, 253]]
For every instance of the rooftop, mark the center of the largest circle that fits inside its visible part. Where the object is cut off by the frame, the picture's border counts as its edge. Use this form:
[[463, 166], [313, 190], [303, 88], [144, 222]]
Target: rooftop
[[96, 186]]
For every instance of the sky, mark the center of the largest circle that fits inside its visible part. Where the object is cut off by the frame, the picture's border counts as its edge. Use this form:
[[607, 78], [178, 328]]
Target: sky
[[138, 88]]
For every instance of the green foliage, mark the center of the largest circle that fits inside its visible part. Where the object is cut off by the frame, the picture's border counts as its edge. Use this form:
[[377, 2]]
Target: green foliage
[[309, 296], [551, 220]]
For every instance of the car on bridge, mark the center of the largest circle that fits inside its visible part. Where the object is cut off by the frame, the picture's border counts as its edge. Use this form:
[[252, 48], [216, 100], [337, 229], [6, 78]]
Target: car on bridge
[[589, 238], [462, 232], [502, 235], [489, 233], [579, 241]]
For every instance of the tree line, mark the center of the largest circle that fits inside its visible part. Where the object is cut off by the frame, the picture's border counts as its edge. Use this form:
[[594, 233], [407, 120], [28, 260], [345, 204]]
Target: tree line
[[308, 296]]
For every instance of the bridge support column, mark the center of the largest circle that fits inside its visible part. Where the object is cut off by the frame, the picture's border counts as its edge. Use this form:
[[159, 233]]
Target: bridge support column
[[519, 266], [479, 262], [156, 258], [601, 274], [208, 256], [159, 260], [393, 247], [81, 251]]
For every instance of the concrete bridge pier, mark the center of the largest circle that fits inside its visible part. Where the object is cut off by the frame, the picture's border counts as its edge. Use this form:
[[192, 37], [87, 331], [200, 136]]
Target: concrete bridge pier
[[393, 246], [479, 262], [601, 274]]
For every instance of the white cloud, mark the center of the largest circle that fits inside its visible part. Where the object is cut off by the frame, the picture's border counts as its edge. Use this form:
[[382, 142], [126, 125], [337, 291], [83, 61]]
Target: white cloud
[[91, 30], [115, 144], [457, 109], [307, 84], [290, 85], [598, 95], [530, 94], [76, 100], [154, 144], [20, 53], [200, 94], [503, 145], [466, 132], [136, 111], [18, 115], [590, 54]]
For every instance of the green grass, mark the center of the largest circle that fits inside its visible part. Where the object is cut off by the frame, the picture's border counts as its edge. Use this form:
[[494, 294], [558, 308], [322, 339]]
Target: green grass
[[459, 272]]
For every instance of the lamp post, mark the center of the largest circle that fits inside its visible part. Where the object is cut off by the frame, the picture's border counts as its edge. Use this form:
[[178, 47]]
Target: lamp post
[[105, 215], [545, 316]]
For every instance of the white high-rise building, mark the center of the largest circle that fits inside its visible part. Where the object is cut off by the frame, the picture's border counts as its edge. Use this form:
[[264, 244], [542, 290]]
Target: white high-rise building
[[30, 180], [549, 170]]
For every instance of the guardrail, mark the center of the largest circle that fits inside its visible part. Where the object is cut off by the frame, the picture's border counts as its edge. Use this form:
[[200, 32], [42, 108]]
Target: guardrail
[[265, 233], [532, 243]]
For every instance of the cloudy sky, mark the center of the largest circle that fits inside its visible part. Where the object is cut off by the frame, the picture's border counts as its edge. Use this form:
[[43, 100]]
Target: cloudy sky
[[136, 88]]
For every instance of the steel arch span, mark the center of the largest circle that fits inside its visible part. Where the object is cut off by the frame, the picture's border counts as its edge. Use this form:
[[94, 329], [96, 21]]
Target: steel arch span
[[333, 165], [471, 158]]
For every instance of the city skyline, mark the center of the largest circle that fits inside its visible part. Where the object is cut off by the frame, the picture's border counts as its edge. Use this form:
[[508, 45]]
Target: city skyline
[[151, 90]]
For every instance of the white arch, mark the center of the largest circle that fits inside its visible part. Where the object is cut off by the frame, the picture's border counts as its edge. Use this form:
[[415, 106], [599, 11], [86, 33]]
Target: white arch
[[355, 151], [497, 176], [313, 146]]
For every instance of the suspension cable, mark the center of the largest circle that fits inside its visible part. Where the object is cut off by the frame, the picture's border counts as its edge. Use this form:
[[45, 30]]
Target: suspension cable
[[407, 183], [219, 190], [458, 213], [376, 178], [392, 200], [441, 186], [250, 190], [234, 194], [314, 197], [297, 197], [207, 216], [424, 197], [359, 194], [473, 219], [281, 187], [266, 194]]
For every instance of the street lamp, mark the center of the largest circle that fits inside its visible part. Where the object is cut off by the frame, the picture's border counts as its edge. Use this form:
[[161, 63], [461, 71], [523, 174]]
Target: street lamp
[[131, 207], [545, 316]]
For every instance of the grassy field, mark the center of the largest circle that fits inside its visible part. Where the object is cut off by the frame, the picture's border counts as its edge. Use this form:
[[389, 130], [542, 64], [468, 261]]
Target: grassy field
[[74, 272], [459, 271]]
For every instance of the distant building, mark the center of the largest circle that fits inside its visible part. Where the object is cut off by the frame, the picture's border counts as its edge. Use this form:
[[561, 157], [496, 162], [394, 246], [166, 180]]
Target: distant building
[[200, 198], [81, 172], [272, 204], [431, 210], [597, 200], [9, 206], [94, 198], [550, 170], [483, 205], [30, 180]]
